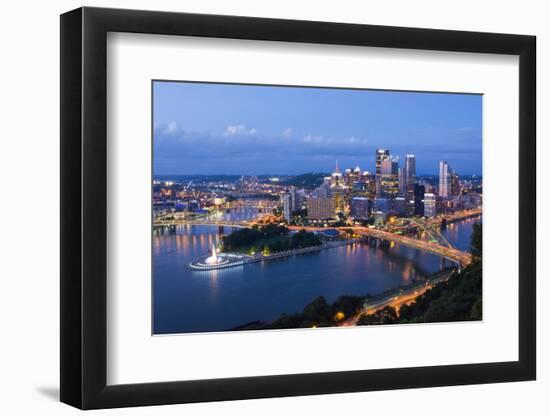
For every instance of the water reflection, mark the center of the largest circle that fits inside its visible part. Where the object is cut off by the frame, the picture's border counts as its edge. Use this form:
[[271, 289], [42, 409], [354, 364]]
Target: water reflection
[[197, 301]]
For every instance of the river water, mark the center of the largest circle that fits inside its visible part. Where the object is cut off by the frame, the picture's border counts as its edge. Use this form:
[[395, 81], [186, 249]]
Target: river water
[[201, 301]]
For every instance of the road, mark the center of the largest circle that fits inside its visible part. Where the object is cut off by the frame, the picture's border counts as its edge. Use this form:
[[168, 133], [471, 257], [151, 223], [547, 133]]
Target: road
[[397, 298], [455, 255]]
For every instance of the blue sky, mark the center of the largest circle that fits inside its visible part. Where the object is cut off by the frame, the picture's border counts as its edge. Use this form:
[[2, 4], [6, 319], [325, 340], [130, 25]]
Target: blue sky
[[239, 129]]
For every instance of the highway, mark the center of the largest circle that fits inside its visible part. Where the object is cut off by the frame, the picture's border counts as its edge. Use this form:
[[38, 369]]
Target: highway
[[397, 298], [455, 255]]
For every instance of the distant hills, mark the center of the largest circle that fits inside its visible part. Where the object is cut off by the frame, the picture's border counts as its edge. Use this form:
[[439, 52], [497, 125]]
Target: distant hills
[[309, 180]]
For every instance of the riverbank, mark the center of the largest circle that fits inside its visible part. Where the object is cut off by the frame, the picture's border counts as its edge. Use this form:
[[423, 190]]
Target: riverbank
[[396, 297], [347, 310], [260, 257], [188, 301]]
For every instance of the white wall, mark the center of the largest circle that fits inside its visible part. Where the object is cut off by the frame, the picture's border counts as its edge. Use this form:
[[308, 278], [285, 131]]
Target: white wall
[[29, 265]]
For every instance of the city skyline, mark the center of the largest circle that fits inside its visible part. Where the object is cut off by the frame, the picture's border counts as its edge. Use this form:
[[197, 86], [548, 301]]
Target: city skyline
[[291, 207], [327, 171], [217, 129]]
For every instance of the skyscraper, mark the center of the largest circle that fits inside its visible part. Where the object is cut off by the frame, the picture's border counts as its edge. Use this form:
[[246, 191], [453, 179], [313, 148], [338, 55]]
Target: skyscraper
[[337, 178], [389, 182], [381, 155], [419, 191], [399, 206], [402, 182], [454, 184], [360, 207], [444, 179], [293, 200], [338, 196], [410, 171], [386, 167], [430, 201], [287, 210], [320, 207]]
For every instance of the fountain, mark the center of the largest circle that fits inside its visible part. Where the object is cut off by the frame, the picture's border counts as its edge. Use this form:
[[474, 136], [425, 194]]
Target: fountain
[[216, 260], [213, 260]]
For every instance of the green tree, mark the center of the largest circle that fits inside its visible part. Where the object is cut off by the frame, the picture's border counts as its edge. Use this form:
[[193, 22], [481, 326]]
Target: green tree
[[386, 315], [347, 304], [476, 244], [317, 311]]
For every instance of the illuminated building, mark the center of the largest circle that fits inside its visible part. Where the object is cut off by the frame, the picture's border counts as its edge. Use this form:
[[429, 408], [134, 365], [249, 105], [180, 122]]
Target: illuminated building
[[299, 198], [389, 181], [409, 178], [402, 181], [360, 187], [287, 210], [399, 206], [430, 205], [352, 177], [381, 156], [442, 204], [336, 177], [357, 173], [218, 201], [380, 218], [360, 207], [382, 204], [320, 207], [338, 195], [409, 171], [294, 203], [347, 177], [476, 199], [455, 184], [337, 190], [321, 191], [370, 180], [444, 179]]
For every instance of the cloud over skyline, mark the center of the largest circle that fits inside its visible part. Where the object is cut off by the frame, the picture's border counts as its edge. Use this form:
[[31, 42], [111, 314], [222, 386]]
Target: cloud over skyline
[[239, 130], [234, 129]]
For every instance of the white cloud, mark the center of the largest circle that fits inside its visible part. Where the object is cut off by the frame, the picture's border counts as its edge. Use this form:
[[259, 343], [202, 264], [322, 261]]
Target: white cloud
[[353, 140], [171, 128], [239, 130], [312, 139], [287, 133]]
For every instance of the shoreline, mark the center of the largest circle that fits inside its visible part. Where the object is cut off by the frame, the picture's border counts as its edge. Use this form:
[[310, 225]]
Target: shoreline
[[247, 259], [397, 295]]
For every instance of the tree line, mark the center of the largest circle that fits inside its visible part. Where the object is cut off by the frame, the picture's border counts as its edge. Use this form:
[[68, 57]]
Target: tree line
[[272, 238], [457, 299]]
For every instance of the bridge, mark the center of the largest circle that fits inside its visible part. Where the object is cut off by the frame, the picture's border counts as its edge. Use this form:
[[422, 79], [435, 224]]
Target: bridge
[[455, 255], [432, 230], [439, 245], [447, 251], [204, 222]]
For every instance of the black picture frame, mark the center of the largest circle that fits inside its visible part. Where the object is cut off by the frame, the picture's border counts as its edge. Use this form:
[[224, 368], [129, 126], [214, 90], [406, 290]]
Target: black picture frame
[[84, 207]]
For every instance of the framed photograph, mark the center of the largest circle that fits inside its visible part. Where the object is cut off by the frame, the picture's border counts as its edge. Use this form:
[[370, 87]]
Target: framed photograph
[[258, 208]]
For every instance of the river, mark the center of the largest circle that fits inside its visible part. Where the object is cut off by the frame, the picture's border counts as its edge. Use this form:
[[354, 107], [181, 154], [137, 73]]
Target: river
[[202, 301]]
